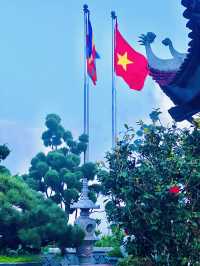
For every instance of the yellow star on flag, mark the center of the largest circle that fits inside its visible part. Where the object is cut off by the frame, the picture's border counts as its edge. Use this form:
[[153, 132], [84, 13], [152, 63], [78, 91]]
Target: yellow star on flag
[[123, 60]]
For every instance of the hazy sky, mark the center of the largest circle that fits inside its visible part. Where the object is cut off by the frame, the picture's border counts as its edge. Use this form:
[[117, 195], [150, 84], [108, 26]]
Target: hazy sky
[[41, 68]]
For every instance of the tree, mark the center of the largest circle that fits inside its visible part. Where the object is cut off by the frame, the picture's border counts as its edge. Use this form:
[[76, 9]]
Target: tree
[[153, 185], [29, 221], [4, 152], [58, 173]]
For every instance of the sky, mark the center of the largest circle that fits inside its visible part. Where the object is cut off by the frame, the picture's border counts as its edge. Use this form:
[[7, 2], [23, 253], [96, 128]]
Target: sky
[[41, 69]]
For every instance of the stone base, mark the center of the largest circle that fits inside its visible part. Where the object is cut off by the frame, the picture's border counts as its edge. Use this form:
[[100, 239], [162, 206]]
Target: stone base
[[100, 258]]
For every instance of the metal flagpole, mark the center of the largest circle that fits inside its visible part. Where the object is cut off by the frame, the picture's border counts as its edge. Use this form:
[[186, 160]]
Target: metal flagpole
[[88, 116], [85, 250], [86, 90], [114, 100]]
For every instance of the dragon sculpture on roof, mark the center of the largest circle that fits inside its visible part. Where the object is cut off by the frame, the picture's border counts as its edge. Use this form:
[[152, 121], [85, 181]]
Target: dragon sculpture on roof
[[179, 77]]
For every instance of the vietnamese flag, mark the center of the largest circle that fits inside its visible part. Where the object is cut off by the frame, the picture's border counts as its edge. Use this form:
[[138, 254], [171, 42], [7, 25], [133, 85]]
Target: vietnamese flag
[[129, 64]]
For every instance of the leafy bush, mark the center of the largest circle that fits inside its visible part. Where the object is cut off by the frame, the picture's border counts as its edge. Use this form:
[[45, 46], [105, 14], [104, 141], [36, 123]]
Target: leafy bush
[[153, 185], [114, 240], [131, 261]]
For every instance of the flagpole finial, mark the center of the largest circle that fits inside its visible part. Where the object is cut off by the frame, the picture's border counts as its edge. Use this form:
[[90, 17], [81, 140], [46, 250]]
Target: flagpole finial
[[85, 8], [113, 15]]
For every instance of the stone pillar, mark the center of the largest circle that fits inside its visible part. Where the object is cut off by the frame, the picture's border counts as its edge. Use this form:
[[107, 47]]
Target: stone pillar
[[85, 251]]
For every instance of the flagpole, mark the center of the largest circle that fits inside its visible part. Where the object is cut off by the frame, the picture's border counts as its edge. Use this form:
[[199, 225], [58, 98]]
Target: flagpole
[[114, 98], [88, 116], [86, 89], [88, 119]]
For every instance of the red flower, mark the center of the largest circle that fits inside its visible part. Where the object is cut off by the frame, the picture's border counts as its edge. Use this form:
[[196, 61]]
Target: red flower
[[174, 190]]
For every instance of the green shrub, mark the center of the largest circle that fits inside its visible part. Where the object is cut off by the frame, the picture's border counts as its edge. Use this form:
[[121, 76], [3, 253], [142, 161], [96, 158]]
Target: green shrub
[[153, 185], [131, 261], [114, 241]]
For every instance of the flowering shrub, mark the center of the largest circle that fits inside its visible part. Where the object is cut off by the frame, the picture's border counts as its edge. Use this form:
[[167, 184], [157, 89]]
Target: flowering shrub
[[153, 185]]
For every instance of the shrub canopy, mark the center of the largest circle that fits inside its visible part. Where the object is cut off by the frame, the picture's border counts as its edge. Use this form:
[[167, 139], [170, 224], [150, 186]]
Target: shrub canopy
[[153, 185]]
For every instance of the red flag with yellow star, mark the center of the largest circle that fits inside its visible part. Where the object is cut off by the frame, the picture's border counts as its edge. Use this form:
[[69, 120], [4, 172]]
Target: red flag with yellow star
[[129, 64]]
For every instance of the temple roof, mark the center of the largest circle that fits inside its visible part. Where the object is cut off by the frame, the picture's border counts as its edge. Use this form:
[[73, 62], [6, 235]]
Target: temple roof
[[179, 76], [192, 61], [178, 70]]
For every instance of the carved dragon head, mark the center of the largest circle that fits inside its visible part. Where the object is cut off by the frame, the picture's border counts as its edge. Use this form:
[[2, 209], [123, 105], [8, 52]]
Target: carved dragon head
[[147, 38]]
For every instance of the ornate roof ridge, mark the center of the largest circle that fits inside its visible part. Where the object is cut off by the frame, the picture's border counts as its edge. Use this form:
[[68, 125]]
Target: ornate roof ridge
[[192, 60]]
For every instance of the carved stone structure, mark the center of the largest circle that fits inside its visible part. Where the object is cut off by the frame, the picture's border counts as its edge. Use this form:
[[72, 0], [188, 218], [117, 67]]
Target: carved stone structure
[[85, 251], [100, 258]]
